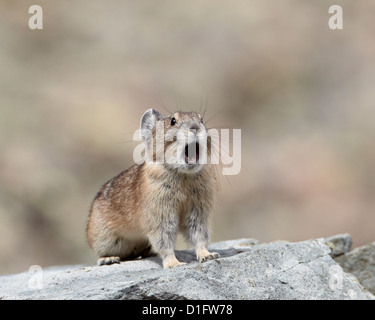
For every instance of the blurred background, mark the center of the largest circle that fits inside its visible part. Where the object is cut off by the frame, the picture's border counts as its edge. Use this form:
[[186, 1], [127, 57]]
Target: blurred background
[[72, 94]]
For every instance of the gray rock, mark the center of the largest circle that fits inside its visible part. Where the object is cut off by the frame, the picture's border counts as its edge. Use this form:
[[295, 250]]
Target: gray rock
[[361, 263], [240, 244], [276, 270], [339, 244]]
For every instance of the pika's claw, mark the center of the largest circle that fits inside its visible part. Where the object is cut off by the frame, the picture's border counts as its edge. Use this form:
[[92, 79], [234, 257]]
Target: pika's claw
[[108, 260], [209, 256]]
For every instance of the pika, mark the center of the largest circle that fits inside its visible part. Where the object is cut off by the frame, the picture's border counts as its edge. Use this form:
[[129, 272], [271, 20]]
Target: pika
[[139, 212]]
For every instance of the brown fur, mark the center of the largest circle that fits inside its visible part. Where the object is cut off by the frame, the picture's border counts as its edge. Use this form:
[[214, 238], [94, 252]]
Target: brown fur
[[138, 212]]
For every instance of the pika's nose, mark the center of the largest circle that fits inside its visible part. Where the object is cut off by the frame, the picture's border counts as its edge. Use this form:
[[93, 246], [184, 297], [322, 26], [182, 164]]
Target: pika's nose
[[194, 126]]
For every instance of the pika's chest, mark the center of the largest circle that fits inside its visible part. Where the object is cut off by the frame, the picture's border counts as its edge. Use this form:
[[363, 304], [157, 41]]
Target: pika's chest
[[187, 193], [182, 193]]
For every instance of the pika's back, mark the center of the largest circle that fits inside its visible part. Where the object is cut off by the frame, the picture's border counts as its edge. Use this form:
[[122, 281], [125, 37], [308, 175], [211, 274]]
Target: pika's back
[[128, 181]]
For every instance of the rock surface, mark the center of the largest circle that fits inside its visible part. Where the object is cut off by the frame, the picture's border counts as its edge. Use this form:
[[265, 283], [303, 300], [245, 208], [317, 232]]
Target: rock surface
[[361, 263], [246, 270], [339, 244]]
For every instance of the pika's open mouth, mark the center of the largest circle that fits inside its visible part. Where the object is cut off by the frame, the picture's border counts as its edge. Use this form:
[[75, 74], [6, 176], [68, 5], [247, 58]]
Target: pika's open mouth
[[192, 153]]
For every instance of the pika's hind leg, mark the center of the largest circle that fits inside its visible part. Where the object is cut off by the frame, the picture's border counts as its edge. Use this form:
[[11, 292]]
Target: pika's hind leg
[[139, 249], [115, 249]]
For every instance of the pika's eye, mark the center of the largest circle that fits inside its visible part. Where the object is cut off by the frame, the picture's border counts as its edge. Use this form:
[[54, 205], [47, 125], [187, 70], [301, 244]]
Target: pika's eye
[[173, 121]]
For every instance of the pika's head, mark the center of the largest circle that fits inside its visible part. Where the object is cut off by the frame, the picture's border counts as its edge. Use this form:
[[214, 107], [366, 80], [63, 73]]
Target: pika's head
[[179, 140]]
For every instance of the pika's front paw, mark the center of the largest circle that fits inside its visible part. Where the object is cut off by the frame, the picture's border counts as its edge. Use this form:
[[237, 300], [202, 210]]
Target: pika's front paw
[[171, 263], [108, 260], [209, 256], [174, 265]]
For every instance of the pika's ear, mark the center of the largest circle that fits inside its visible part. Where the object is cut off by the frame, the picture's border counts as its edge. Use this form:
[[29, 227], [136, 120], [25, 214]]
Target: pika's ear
[[148, 122]]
